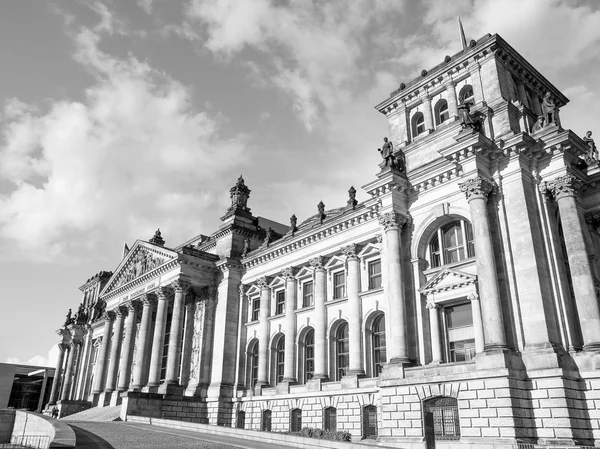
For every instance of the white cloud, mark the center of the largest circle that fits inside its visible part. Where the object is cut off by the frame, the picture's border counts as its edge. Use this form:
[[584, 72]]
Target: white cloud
[[49, 360], [127, 159]]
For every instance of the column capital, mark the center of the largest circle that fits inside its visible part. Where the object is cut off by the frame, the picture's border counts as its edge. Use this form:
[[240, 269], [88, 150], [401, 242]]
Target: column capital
[[263, 282], [163, 293], [350, 251], [109, 316], [288, 274], [564, 186], [392, 221], [473, 297], [63, 346], [149, 300], [121, 311], [476, 188], [180, 285], [450, 84], [432, 305], [318, 263]]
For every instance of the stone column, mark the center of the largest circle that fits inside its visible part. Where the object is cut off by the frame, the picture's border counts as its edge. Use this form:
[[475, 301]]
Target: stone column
[[477, 323], [291, 289], [436, 340], [392, 222], [188, 336], [355, 365], [158, 339], [263, 333], [522, 93], [100, 369], [139, 374], [83, 375], [477, 190], [427, 113], [172, 377], [127, 349], [452, 102], [68, 378], [62, 347], [320, 292], [565, 191], [115, 351]]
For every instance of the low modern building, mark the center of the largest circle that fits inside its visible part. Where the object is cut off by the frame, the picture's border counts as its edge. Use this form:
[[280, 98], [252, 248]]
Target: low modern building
[[25, 387], [459, 302]]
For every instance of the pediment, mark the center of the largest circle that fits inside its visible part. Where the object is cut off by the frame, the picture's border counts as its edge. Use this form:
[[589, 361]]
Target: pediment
[[448, 279], [304, 272], [334, 262], [369, 249], [142, 259]]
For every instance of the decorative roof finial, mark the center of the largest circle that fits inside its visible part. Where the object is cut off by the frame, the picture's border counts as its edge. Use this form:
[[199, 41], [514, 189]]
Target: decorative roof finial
[[293, 224], [352, 198], [157, 239], [321, 209], [463, 39], [239, 194]]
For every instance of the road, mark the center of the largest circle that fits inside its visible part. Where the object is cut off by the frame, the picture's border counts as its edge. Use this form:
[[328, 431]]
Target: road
[[124, 435]]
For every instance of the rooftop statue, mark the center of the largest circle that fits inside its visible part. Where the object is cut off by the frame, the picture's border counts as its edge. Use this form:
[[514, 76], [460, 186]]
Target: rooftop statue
[[539, 124], [592, 153], [293, 224], [466, 118], [550, 110], [394, 162], [157, 238], [321, 210]]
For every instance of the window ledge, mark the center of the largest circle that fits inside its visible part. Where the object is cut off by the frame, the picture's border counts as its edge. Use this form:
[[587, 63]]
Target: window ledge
[[460, 263], [336, 300], [371, 292], [305, 309]]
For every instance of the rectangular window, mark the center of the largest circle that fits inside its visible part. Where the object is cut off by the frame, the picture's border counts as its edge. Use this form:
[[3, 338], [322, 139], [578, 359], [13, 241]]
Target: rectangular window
[[255, 309], [307, 295], [375, 274], [461, 341], [280, 302], [339, 285]]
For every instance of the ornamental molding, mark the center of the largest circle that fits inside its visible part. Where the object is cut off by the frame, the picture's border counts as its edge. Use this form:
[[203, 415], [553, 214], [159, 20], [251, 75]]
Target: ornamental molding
[[561, 187], [351, 251], [392, 220], [476, 188], [289, 274], [318, 263], [448, 279]]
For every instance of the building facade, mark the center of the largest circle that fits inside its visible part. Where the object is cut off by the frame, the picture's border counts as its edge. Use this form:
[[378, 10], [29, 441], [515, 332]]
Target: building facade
[[459, 302]]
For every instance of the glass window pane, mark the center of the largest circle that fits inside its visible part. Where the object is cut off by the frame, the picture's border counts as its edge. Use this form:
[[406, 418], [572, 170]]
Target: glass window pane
[[459, 316]]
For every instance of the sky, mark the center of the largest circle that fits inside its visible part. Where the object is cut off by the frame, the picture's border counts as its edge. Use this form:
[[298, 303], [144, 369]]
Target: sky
[[121, 117]]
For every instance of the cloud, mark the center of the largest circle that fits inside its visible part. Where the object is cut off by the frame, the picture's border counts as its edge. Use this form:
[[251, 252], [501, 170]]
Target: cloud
[[48, 360], [132, 156]]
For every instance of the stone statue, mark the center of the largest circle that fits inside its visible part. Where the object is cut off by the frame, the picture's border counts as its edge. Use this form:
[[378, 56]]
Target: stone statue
[[69, 318], [400, 161], [245, 250], [549, 110], [293, 223], [465, 117], [157, 238], [539, 124], [321, 209], [268, 237], [592, 153]]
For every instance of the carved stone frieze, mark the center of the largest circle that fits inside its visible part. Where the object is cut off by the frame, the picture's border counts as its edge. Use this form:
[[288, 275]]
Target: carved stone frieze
[[140, 263], [476, 188]]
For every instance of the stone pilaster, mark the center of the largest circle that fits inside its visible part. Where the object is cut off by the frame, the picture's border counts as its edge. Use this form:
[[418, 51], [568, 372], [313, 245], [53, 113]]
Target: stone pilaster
[[127, 350], [175, 333], [115, 350], [158, 338], [320, 295], [436, 340], [477, 323], [263, 333], [140, 375], [291, 289], [69, 369], [452, 102], [62, 348], [101, 366], [355, 365], [477, 191], [427, 113], [392, 223], [188, 336]]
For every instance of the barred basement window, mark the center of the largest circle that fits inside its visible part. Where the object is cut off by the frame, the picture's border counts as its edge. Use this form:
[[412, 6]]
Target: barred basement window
[[369, 422], [241, 420], [265, 424], [330, 419], [296, 420], [444, 409]]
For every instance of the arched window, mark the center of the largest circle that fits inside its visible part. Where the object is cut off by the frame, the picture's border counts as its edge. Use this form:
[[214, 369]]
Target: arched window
[[441, 413], [253, 364], [379, 353], [309, 355], [241, 419], [452, 243], [265, 424], [369, 422], [466, 94], [280, 356], [330, 419], [342, 347], [441, 112], [296, 420], [418, 124]]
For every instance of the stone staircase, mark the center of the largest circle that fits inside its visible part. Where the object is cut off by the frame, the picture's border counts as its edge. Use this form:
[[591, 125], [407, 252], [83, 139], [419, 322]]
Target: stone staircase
[[97, 414]]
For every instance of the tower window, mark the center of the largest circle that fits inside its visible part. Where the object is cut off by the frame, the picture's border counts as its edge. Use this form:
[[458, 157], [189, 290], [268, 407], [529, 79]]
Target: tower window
[[418, 124], [466, 94], [441, 112]]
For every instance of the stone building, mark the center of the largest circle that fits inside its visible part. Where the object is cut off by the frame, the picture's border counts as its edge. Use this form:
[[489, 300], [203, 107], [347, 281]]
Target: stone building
[[459, 302]]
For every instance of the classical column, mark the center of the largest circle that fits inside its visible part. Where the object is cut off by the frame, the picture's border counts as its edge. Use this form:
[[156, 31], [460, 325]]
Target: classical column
[[320, 292], [291, 289], [71, 361], [158, 339], [100, 369], [139, 374], [565, 191], [83, 375], [434, 325], [477, 190], [172, 377], [127, 349], [115, 351], [263, 333], [188, 336], [392, 222], [522, 93], [452, 102], [477, 323], [427, 113], [355, 365], [62, 347]]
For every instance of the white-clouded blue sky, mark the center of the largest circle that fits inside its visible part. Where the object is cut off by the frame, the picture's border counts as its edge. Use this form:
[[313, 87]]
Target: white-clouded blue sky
[[117, 118]]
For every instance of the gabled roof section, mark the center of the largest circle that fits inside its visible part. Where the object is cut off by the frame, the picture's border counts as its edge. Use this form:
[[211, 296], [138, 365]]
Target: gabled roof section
[[142, 259], [448, 279]]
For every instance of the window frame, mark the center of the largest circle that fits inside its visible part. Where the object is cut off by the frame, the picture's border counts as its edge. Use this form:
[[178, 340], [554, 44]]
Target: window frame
[[309, 355], [374, 276], [448, 352], [442, 111], [280, 302], [438, 252], [378, 349], [279, 360], [255, 316], [418, 124], [341, 369], [336, 288], [462, 94], [329, 424], [311, 296], [296, 420]]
